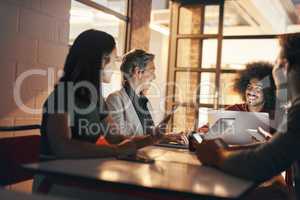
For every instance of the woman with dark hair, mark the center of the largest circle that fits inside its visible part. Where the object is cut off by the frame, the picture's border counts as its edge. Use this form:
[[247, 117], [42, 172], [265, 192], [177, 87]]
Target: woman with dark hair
[[75, 114]]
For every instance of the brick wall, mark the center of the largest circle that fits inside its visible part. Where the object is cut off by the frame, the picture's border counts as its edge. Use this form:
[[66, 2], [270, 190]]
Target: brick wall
[[34, 36]]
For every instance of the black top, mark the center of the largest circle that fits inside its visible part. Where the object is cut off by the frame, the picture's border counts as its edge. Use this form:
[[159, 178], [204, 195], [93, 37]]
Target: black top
[[140, 105], [273, 157], [85, 117]]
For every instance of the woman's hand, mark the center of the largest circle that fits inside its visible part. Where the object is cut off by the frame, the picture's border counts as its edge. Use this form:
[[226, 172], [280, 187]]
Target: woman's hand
[[126, 148], [211, 152]]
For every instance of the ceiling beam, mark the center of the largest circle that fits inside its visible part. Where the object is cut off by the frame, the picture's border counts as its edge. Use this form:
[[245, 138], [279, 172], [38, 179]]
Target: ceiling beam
[[270, 15]]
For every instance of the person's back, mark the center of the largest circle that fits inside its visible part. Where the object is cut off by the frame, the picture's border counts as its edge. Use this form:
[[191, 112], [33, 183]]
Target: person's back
[[86, 125], [269, 160], [282, 151]]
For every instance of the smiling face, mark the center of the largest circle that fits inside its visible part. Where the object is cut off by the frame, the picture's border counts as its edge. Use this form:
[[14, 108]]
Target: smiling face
[[254, 93], [142, 78], [147, 76]]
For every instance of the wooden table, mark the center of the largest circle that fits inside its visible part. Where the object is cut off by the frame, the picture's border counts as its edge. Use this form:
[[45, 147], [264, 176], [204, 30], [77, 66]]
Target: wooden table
[[175, 172]]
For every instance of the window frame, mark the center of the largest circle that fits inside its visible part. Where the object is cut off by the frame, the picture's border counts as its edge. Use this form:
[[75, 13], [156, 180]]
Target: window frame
[[126, 18], [173, 46]]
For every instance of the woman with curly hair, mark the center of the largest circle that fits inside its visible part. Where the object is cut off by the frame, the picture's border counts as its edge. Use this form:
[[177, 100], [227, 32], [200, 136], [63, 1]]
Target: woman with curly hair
[[256, 86]]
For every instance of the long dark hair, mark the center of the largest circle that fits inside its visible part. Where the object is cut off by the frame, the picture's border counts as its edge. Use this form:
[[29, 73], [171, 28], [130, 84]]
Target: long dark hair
[[85, 57]]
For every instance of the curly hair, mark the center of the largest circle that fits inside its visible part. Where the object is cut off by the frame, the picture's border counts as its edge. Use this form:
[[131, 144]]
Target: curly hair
[[263, 72]]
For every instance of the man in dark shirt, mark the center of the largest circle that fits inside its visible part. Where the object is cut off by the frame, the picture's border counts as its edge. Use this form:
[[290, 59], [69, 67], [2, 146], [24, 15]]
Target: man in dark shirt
[[282, 151]]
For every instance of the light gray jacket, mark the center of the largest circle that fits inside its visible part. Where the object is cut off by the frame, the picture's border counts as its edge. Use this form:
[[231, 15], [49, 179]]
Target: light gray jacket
[[123, 112]]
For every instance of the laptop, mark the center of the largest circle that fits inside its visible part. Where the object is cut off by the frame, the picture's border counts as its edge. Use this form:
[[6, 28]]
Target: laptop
[[236, 127]]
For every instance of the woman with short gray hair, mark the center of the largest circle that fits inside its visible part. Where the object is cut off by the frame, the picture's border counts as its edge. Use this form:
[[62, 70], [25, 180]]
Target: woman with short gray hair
[[130, 108], [135, 58]]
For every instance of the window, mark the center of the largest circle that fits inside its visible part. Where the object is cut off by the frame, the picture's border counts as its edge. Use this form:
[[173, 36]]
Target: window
[[193, 65], [119, 6], [105, 15], [211, 42]]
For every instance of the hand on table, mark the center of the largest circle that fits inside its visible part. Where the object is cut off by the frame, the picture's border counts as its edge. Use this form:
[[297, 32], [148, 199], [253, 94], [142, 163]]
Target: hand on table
[[126, 148], [211, 152]]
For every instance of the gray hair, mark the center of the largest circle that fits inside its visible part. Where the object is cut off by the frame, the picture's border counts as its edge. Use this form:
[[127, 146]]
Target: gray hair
[[135, 58]]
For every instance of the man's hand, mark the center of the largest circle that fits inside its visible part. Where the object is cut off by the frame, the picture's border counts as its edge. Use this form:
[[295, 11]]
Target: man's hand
[[211, 152]]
